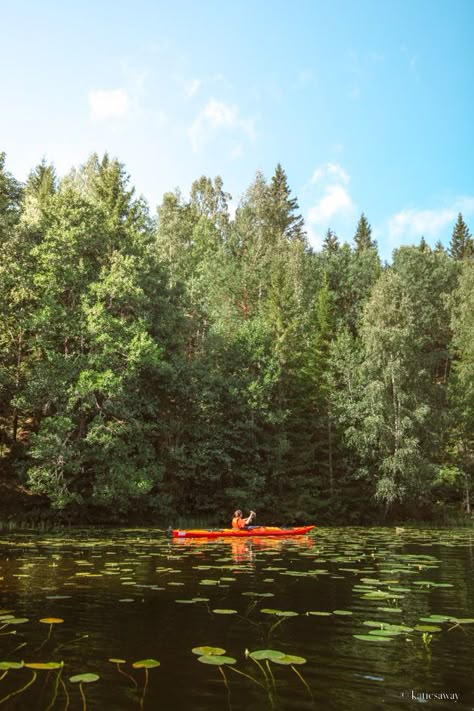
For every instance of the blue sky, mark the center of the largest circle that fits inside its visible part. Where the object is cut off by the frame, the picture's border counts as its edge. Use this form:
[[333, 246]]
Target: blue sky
[[368, 105]]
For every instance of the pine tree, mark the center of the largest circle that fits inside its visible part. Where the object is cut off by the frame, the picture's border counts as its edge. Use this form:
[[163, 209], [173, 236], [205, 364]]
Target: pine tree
[[283, 208], [10, 198], [462, 244], [331, 242], [424, 246], [42, 182], [363, 236]]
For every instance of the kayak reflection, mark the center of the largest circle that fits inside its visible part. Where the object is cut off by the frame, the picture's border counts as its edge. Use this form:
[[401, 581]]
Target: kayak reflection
[[245, 550]]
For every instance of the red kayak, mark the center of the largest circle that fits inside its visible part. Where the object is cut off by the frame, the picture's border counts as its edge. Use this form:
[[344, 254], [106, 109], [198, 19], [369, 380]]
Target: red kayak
[[241, 533]]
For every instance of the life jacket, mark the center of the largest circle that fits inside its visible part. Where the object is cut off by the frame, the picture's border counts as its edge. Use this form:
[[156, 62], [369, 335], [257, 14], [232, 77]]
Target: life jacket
[[238, 522]]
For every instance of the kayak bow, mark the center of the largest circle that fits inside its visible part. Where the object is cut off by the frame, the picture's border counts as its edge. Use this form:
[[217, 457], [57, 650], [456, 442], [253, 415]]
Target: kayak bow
[[240, 533]]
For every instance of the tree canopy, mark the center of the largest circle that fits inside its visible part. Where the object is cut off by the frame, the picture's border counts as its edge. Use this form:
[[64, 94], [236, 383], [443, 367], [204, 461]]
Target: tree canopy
[[191, 361]]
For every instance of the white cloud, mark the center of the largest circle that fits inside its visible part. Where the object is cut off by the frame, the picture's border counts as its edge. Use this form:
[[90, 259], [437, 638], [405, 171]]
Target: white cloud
[[192, 87], [335, 200], [217, 115], [413, 223], [330, 171], [330, 202], [106, 104]]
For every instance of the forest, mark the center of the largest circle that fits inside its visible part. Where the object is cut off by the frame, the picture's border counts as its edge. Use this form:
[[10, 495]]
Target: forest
[[188, 361]]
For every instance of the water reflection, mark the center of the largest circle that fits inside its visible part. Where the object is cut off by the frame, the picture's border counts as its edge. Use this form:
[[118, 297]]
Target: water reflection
[[244, 550]]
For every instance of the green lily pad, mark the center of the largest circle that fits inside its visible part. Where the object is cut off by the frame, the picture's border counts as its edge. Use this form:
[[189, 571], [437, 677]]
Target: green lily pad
[[10, 665], [186, 602], [261, 654], [463, 620], [146, 664], [117, 661], [84, 678], [222, 611], [427, 628], [372, 638], [208, 651], [288, 659], [44, 665], [216, 659], [319, 613], [342, 612], [16, 621]]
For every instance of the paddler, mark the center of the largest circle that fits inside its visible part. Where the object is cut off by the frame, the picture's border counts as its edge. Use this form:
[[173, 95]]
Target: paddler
[[239, 522]]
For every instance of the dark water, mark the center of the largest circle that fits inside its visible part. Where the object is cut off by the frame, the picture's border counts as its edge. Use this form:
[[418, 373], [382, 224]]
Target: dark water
[[120, 595]]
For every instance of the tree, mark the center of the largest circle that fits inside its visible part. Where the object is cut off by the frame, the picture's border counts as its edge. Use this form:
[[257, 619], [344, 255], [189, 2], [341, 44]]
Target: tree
[[462, 244], [42, 182], [16, 272], [10, 199], [283, 216], [461, 387], [392, 411], [424, 247], [331, 242], [363, 236]]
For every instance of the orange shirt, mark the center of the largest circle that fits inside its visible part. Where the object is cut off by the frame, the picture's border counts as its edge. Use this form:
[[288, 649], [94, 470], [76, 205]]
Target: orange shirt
[[238, 522]]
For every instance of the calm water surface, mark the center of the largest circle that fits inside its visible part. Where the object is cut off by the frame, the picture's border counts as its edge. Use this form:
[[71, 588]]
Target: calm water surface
[[135, 595]]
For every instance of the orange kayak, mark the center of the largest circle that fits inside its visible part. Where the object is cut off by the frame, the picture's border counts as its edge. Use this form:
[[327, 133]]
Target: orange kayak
[[241, 533]]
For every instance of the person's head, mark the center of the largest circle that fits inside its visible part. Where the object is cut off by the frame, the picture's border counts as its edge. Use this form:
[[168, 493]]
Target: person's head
[[238, 514]]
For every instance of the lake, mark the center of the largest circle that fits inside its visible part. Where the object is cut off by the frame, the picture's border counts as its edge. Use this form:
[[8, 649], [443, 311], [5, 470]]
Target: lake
[[344, 618]]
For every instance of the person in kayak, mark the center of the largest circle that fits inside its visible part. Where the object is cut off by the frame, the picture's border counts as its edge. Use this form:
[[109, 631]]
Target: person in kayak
[[239, 522]]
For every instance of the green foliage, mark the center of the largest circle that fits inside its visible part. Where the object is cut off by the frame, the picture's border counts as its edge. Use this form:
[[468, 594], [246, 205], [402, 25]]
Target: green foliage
[[363, 236], [461, 245], [193, 363]]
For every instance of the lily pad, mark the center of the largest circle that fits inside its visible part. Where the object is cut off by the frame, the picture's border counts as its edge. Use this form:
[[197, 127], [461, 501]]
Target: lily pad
[[84, 678], [10, 665], [15, 621], [208, 651], [221, 611], [216, 659], [146, 664], [289, 659], [463, 620], [372, 638], [44, 665], [261, 654], [427, 628], [51, 620]]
